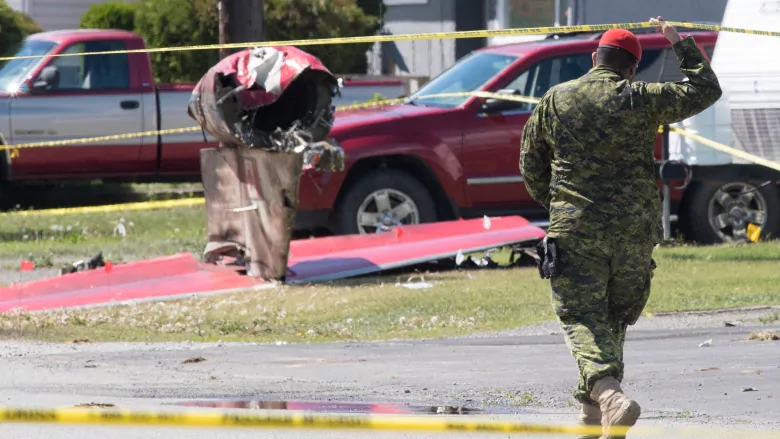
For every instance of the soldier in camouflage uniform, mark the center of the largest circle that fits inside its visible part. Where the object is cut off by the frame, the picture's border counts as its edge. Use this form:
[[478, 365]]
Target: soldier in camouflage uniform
[[587, 156]]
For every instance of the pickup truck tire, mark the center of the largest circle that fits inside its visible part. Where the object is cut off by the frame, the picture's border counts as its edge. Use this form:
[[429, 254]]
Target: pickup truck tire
[[383, 199], [717, 210]]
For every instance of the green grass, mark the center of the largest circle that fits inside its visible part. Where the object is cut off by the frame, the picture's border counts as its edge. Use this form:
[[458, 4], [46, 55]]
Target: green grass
[[53, 240], [460, 302]]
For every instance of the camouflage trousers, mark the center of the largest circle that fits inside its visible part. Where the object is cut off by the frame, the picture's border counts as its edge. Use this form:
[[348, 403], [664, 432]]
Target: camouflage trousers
[[602, 288]]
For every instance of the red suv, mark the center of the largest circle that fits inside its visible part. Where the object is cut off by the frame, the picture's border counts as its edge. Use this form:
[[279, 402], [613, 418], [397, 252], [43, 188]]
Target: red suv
[[434, 159]]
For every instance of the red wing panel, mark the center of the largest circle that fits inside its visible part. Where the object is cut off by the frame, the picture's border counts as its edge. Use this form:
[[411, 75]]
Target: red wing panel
[[154, 279], [353, 255], [310, 260]]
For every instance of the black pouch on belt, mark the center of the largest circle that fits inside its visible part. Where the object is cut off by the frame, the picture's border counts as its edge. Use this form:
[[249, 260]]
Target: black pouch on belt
[[549, 264]]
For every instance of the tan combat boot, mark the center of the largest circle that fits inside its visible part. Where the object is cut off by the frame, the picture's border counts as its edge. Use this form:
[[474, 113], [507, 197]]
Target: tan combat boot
[[590, 416], [616, 408]]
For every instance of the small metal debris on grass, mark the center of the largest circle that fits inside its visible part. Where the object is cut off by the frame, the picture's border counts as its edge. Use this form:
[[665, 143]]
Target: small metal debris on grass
[[749, 389], [416, 285], [95, 405], [82, 265], [194, 360], [80, 341], [706, 344], [459, 258], [120, 228]]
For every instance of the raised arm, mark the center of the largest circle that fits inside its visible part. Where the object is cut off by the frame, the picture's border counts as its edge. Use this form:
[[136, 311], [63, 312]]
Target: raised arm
[[676, 101]]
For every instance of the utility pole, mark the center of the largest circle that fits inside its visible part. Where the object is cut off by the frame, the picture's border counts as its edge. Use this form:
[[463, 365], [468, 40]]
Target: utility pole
[[240, 21], [570, 11]]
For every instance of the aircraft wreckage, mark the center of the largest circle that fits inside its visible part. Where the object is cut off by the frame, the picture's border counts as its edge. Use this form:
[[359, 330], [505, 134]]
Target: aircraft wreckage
[[271, 109]]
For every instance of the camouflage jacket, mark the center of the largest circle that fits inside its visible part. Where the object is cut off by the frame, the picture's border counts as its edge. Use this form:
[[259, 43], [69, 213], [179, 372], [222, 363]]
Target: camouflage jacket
[[587, 149]]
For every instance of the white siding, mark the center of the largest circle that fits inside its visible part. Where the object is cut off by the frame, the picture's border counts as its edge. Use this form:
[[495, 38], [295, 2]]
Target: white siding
[[423, 57], [747, 116]]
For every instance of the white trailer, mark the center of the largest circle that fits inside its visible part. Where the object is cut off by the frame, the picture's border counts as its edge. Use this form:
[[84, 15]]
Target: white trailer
[[734, 195]]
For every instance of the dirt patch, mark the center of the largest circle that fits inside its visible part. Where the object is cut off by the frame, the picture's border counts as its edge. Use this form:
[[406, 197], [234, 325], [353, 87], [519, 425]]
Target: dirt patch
[[764, 336]]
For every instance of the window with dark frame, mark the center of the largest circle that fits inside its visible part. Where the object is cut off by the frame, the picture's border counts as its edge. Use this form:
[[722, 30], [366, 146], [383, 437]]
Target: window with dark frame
[[93, 72]]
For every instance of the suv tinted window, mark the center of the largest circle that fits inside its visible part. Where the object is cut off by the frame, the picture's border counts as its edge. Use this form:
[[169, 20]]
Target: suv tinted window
[[656, 65], [550, 72]]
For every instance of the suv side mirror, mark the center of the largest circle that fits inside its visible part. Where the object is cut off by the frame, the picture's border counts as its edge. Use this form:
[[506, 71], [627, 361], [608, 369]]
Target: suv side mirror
[[49, 77], [492, 105]]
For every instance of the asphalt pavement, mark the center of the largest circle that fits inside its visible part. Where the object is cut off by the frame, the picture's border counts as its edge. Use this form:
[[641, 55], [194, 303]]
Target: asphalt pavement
[[731, 384]]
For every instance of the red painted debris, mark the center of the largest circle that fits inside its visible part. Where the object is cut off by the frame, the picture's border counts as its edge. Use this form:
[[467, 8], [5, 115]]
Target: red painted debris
[[310, 260], [158, 278], [27, 266], [339, 257]]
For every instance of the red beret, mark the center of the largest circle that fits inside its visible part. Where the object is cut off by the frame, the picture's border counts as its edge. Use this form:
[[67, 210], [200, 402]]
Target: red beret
[[623, 39]]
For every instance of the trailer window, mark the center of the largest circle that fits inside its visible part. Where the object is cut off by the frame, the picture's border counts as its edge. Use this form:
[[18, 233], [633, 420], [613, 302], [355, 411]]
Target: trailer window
[[93, 72]]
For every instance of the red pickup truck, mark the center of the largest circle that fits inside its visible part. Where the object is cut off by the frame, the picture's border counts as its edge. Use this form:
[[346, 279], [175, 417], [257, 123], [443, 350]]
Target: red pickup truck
[[63, 98], [421, 161]]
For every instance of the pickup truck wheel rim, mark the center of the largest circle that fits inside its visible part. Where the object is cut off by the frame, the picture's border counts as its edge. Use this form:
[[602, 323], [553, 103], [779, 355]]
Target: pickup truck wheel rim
[[733, 207], [384, 209]]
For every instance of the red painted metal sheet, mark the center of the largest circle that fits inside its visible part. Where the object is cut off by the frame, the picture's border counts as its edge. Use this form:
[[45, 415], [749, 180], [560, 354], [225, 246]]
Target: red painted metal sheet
[[352, 255], [153, 279], [310, 260]]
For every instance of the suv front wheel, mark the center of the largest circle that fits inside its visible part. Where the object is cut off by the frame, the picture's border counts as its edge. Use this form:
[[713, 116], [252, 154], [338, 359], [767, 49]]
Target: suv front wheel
[[384, 199]]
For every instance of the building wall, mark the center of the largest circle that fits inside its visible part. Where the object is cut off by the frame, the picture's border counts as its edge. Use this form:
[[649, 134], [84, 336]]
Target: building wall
[[423, 57], [56, 14], [429, 58], [622, 11]]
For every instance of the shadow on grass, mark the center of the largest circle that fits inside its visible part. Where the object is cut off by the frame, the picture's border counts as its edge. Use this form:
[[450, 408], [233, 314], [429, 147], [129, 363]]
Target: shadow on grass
[[78, 194], [444, 270]]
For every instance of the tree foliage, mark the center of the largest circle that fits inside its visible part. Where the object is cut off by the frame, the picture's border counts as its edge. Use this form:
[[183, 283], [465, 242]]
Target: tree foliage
[[113, 15], [15, 26], [310, 19], [175, 23], [171, 23]]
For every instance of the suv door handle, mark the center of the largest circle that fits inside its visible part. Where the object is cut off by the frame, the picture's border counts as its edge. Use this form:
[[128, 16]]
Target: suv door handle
[[129, 105]]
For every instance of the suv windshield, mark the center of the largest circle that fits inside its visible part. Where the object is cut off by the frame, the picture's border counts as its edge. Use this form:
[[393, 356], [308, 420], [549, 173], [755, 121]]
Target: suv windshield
[[14, 71], [467, 75]]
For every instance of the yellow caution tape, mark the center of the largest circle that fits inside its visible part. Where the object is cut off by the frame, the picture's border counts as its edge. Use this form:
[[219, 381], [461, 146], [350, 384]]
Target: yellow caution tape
[[145, 205], [480, 94], [727, 149], [320, 421], [417, 36], [15, 148], [114, 137]]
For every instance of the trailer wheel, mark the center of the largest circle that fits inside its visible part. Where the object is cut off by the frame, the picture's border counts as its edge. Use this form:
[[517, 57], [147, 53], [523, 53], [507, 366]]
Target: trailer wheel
[[720, 213], [383, 199]]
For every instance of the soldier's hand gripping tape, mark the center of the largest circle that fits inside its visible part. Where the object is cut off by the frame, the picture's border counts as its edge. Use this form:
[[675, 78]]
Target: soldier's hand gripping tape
[[549, 262]]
